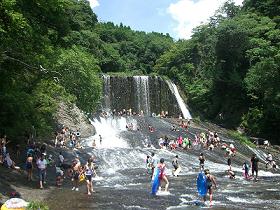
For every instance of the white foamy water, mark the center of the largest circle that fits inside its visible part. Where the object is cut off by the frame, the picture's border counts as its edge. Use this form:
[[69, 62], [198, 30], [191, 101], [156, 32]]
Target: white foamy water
[[133, 207], [109, 129], [243, 200], [134, 184], [181, 103], [190, 196], [97, 178], [260, 154], [163, 193], [273, 190]]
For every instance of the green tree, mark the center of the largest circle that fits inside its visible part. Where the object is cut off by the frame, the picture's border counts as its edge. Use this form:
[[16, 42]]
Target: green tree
[[80, 76]]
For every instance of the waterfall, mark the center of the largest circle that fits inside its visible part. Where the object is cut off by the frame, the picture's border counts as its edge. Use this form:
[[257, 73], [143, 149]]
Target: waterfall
[[109, 129], [183, 107], [107, 91], [142, 94]]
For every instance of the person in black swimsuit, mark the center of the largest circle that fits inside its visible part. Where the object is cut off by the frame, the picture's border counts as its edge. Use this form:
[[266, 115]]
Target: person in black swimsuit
[[201, 161], [210, 181], [255, 165]]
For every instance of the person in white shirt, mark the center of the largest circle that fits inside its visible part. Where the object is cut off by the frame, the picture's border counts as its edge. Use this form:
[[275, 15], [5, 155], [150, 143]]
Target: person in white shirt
[[42, 166], [10, 163], [269, 160], [61, 159]]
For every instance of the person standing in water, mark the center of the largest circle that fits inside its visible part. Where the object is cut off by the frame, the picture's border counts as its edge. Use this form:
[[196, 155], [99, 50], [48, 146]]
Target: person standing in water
[[201, 159], [89, 172], [153, 162], [76, 167], [29, 166], [255, 166], [149, 165], [229, 162], [100, 139], [42, 167], [210, 181], [162, 175], [246, 170], [175, 164]]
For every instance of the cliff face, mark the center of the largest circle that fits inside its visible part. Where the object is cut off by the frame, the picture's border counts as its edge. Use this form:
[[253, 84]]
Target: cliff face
[[140, 93], [72, 117]]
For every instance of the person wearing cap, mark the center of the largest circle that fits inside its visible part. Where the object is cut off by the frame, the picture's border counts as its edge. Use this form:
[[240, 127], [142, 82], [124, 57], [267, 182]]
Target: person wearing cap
[[162, 175], [209, 182]]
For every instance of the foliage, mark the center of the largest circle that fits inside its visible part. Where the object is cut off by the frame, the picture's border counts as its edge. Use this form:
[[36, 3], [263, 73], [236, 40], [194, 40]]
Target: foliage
[[241, 138], [34, 205], [230, 66], [80, 76], [53, 51]]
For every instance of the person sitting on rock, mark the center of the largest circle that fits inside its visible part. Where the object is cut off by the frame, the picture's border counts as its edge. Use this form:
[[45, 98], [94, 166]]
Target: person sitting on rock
[[233, 149], [231, 174], [8, 162]]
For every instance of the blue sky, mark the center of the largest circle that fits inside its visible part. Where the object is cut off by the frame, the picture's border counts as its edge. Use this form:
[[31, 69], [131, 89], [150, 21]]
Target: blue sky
[[176, 17]]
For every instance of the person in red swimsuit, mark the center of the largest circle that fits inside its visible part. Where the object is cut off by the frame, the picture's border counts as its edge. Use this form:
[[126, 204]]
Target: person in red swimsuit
[[162, 176]]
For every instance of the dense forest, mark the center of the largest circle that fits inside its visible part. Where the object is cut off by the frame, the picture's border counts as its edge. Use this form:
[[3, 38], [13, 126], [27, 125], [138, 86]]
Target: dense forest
[[55, 51]]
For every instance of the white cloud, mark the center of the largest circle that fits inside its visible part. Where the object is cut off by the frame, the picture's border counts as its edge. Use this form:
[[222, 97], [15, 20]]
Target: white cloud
[[189, 14], [93, 3]]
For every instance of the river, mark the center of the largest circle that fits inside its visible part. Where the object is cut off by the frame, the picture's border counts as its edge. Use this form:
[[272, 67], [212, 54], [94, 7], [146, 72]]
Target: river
[[122, 181]]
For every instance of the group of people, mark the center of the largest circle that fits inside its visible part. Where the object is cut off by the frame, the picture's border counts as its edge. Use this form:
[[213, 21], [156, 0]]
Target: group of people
[[67, 137], [5, 157], [152, 165], [86, 172], [37, 158], [130, 112], [76, 171]]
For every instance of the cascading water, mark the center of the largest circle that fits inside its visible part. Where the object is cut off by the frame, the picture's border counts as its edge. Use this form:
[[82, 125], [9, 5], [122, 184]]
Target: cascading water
[[180, 101], [143, 94], [109, 130], [107, 92]]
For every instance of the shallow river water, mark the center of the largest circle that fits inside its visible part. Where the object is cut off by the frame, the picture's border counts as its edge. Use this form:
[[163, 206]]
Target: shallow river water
[[124, 184]]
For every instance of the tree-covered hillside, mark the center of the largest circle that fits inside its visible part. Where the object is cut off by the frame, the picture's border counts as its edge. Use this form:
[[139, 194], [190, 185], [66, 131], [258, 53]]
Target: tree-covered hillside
[[56, 50], [230, 68]]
